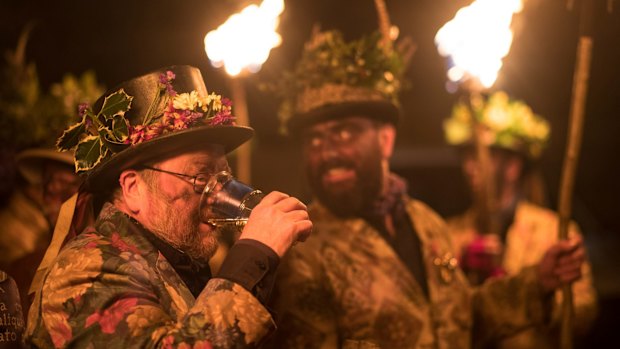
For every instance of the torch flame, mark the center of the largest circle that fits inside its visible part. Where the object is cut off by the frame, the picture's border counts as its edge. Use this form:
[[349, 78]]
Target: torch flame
[[245, 39], [477, 39]]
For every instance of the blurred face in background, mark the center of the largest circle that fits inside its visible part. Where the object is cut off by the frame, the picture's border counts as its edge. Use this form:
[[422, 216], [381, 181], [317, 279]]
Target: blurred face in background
[[344, 163], [505, 169], [60, 182]]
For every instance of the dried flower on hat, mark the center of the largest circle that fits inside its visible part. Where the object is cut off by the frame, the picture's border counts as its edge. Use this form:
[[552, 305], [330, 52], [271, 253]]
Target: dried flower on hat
[[333, 71], [100, 134]]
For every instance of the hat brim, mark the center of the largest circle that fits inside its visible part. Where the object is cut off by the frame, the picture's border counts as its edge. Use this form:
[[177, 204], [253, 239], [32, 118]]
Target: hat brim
[[104, 176], [30, 162], [377, 110]]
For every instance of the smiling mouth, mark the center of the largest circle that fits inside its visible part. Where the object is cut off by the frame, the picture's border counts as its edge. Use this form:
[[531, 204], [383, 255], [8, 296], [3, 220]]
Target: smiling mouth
[[338, 175]]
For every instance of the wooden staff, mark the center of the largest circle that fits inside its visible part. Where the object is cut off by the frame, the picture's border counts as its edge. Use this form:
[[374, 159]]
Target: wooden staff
[[571, 157], [240, 110], [384, 25], [486, 194]]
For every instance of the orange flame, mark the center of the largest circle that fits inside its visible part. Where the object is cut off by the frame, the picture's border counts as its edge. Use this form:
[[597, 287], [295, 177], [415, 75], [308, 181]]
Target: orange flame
[[244, 41], [477, 39]]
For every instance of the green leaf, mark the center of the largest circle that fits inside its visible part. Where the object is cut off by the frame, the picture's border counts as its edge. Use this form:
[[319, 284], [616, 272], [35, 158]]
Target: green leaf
[[117, 103], [120, 128], [71, 136], [88, 154], [113, 145]]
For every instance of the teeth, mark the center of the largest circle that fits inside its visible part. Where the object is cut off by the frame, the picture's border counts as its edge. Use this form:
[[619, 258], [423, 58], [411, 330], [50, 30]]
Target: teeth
[[337, 171]]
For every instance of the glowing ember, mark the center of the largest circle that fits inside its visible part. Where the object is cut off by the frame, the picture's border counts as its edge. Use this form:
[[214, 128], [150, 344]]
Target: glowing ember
[[477, 39], [245, 39]]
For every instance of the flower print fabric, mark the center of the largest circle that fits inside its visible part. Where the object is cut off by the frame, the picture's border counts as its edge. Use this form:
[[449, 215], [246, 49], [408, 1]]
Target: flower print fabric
[[110, 287]]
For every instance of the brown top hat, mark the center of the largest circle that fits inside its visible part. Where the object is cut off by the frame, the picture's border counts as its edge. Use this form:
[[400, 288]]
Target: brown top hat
[[155, 116]]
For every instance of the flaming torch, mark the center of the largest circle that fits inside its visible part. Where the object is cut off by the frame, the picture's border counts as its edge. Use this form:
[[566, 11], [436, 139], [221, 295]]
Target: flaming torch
[[241, 45], [475, 41]]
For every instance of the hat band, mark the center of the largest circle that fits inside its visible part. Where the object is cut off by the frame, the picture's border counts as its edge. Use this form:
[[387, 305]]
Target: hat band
[[327, 94]]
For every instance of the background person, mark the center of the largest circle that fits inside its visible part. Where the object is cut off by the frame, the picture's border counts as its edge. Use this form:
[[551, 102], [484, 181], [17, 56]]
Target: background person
[[515, 137]]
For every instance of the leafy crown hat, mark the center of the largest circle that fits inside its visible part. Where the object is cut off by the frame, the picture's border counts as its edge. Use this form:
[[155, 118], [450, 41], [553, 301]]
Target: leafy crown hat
[[509, 124], [154, 116], [335, 78]]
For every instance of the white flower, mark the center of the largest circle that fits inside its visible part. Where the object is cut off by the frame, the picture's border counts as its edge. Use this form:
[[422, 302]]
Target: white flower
[[186, 101], [216, 99]]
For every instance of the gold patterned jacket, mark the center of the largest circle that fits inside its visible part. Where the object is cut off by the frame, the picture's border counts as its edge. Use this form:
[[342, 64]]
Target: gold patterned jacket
[[345, 287], [111, 288], [532, 232]]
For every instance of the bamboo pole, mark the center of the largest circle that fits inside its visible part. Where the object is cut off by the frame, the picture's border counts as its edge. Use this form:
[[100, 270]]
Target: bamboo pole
[[573, 144]]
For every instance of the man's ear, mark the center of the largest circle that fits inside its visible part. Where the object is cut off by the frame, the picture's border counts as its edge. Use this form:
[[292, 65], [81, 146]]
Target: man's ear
[[387, 136], [132, 188]]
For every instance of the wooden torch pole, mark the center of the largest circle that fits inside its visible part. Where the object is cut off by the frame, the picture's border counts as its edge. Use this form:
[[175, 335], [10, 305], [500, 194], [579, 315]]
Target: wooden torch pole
[[571, 157], [240, 110]]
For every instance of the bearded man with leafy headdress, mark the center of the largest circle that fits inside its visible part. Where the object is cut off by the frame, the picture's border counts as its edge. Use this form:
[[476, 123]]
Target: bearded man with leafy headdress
[[379, 270]]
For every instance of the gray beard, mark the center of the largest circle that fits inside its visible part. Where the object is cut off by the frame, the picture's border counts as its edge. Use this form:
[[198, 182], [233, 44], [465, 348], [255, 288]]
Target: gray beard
[[183, 234]]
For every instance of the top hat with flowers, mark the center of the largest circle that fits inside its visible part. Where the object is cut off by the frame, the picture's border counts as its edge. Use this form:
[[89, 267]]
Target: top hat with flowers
[[149, 118], [335, 78], [508, 124]]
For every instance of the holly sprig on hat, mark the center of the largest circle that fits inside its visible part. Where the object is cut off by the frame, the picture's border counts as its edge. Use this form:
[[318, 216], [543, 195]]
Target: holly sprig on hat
[[100, 134]]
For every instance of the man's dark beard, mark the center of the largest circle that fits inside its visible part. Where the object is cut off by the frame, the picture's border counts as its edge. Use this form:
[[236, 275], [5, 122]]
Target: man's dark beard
[[353, 201]]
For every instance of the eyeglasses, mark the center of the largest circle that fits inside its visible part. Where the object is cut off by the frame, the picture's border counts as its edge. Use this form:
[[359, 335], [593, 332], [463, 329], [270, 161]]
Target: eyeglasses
[[339, 134], [199, 181]]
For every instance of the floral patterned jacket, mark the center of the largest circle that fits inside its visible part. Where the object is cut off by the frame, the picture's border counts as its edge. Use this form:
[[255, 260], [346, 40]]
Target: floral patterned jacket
[[532, 232], [351, 290], [110, 287]]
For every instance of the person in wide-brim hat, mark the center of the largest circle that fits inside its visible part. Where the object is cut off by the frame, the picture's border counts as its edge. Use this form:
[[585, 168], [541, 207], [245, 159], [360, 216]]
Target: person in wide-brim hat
[[139, 272], [31, 162]]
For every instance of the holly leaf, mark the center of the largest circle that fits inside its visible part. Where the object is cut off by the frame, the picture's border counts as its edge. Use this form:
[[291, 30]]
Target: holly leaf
[[71, 136], [117, 103], [120, 128], [89, 153]]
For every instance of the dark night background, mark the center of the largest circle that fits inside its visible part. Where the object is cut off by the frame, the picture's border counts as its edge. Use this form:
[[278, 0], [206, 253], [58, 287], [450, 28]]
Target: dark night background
[[122, 39]]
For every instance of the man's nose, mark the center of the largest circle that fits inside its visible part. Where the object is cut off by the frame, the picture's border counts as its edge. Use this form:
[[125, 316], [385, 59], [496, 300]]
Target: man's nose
[[328, 151]]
